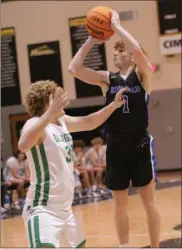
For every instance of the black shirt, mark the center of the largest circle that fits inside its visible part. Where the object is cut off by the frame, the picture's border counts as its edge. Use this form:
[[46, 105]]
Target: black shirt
[[132, 117]]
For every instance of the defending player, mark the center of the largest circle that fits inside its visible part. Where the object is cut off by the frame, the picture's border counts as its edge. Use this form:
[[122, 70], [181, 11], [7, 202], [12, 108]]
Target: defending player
[[48, 144]]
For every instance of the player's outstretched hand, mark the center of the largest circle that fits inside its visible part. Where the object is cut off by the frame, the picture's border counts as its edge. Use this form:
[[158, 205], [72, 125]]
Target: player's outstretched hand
[[58, 103], [115, 21], [94, 40], [119, 101]]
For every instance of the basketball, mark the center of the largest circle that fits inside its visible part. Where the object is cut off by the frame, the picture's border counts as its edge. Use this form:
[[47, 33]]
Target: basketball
[[98, 22]]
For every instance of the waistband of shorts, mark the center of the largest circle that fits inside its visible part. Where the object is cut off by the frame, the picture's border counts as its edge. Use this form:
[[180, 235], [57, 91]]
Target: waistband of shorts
[[128, 134], [50, 206]]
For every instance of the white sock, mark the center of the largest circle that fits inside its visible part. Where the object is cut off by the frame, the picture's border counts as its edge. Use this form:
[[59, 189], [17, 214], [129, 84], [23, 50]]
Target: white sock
[[124, 245], [94, 187]]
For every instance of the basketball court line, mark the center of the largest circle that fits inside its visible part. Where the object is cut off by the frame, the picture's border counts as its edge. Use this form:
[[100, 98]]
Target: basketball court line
[[133, 235]]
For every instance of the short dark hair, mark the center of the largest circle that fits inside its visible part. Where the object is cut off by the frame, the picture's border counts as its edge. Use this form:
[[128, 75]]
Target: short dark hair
[[78, 143], [16, 154]]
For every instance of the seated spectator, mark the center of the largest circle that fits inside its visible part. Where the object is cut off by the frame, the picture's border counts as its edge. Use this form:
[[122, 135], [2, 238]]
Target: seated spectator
[[4, 187], [96, 163], [18, 174], [79, 164]]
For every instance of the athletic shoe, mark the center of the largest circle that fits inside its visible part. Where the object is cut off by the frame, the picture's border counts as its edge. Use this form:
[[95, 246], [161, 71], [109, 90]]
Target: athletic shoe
[[3, 210], [16, 205], [102, 191], [96, 194]]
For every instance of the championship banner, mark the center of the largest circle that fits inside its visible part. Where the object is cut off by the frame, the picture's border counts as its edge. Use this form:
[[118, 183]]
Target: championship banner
[[45, 62], [170, 26], [95, 60], [10, 89]]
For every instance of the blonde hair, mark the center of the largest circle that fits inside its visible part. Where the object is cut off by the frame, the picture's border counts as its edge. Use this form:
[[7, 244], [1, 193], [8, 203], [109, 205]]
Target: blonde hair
[[37, 96], [120, 46], [97, 140]]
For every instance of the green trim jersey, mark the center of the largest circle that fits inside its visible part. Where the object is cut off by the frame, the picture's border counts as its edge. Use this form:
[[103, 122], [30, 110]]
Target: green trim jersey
[[51, 168]]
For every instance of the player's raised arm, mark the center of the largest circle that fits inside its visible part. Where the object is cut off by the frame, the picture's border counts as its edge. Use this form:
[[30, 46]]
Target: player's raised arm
[[92, 121], [142, 63], [87, 75], [131, 44]]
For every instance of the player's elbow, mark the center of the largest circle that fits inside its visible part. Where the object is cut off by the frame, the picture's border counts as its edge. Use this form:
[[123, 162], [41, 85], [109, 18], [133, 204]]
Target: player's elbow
[[71, 69], [92, 122], [137, 51], [22, 145]]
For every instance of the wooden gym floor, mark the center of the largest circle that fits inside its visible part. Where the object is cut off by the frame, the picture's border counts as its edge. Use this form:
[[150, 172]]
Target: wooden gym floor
[[98, 225]]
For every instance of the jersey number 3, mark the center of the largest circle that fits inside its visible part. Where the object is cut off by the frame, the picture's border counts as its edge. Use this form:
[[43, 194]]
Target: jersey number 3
[[125, 106], [70, 154]]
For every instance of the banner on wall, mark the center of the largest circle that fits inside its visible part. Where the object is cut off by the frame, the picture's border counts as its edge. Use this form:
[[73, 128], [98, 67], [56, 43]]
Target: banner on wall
[[169, 13], [170, 44], [45, 62], [96, 59], [17, 122], [10, 88]]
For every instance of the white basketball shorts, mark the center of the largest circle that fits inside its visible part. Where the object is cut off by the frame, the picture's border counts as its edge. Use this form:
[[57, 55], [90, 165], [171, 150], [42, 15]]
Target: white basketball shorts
[[49, 228]]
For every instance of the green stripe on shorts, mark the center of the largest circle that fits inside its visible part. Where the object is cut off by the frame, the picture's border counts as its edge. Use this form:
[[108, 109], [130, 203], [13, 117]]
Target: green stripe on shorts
[[38, 175], [46, 175], [30, 234], [81, 244], [36, 231], [38, 242]]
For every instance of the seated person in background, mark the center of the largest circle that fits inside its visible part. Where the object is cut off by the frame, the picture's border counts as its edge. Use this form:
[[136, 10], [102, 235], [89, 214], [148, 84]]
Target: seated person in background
[[18, 174], [79, 164], [96, 164], [4, 187]]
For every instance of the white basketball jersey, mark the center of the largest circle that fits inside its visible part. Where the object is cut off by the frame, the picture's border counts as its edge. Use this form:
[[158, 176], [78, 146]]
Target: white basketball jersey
[[51, 168], [99, 156]]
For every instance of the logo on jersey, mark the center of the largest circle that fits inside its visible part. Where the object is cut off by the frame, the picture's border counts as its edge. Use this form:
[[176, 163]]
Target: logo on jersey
[[63, 137], [132, 90], [113, 77]]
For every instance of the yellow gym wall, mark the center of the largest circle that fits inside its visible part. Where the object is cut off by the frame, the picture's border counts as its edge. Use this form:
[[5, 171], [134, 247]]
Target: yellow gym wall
[[42, 21]]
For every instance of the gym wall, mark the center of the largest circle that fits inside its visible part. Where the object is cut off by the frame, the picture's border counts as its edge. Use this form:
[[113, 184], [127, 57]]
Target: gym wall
[[46, 21]]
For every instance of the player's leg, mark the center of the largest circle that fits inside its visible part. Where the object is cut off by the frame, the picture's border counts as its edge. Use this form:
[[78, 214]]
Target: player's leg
[[73, 232], [147, 194], [118, 179], [144, 177], [43, 229], [120, 198]]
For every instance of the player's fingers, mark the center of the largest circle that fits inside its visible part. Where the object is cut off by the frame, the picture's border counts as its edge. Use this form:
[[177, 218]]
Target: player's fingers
[[50, 99], [63, 98], [123, 90], [58, 92], [66, 103], [119, 94], [63, 95], [63, 101], [123, 102]]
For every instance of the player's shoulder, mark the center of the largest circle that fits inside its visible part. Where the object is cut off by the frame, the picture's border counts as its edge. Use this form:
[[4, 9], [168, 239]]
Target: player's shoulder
[[29, 123], [113, 75]]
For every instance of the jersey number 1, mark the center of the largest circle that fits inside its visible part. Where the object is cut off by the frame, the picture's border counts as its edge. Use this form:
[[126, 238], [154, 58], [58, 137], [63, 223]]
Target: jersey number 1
[[125, 106]]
